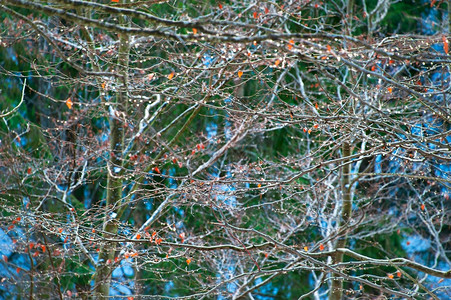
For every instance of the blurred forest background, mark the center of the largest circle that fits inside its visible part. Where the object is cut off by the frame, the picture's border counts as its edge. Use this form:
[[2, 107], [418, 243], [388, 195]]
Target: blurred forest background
[[251, 149]]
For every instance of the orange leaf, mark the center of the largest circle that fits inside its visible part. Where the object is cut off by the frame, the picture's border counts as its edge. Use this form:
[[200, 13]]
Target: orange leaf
[[277, 62], [390, 276], [373, 68], [315, 126], [305, 248], [255, 15], [422, 207], [157, 170], [266, 10], [321, 247], [115, 1], [188, 261], [150, 76], [5, 258], [329, 48], [29, 170], [69, 103], [103, 85], [398, 274], [194, 31], [18, 270], [170, 76], [240, 73], [390, 89], [138, 236], [445, 44], [220, 5]]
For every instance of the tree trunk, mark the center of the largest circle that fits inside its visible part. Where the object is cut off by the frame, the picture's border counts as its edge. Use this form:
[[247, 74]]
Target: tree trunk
[[115, 181], [336, 292]]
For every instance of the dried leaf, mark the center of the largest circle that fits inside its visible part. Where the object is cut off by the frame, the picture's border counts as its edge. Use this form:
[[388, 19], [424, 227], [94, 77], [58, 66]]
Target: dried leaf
[[69, 103], [445, 44]]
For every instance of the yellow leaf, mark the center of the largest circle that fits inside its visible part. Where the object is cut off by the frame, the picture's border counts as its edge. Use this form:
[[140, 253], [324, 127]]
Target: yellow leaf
[[103, 85], [240, 73], [305, 248], [69, 103]]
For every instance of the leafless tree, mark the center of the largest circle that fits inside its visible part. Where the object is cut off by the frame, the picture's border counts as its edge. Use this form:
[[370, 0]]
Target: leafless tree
[[215, 149]]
